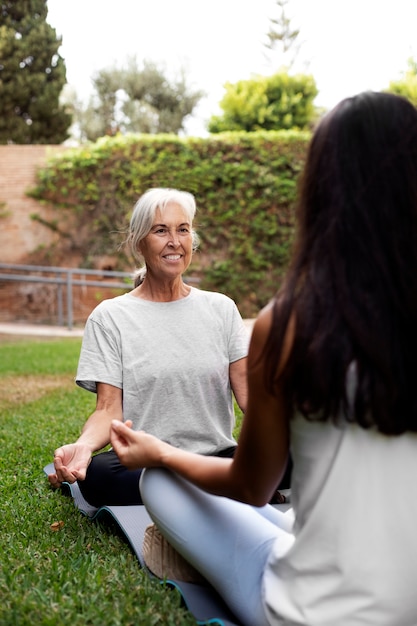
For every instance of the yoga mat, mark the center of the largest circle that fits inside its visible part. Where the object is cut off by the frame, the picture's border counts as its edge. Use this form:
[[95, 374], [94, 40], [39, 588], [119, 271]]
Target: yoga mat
[[203, 602]]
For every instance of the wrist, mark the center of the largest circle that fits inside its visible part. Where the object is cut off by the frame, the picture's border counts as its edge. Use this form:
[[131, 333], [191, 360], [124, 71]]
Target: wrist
[[88, 443], [169, 456]]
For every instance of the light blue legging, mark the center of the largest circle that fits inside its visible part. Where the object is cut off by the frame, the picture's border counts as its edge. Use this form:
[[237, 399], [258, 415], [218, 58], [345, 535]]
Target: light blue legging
[[227, 541]]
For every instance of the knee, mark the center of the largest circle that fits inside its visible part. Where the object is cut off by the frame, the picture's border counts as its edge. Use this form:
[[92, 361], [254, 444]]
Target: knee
[[153, 483], [161, 490]]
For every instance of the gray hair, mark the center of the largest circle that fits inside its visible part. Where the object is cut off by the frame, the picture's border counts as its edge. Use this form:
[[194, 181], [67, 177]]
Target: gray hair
[[143, 217]]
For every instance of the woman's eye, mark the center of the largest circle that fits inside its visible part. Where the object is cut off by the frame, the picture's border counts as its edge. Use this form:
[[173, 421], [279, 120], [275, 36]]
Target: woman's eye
[[162, 231]]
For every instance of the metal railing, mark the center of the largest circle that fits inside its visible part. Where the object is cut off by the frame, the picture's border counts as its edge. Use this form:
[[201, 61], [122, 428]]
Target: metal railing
[[65, 278]]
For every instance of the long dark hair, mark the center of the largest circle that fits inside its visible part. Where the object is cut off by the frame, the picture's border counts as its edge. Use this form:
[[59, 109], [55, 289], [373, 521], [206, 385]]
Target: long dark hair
[[352, 281]]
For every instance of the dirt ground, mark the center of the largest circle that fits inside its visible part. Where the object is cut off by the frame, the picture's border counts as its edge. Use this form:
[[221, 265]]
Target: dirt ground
[[22, 389]]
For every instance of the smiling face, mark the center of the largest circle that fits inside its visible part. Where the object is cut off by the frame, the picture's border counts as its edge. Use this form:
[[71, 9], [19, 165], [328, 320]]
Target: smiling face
[[167, 249]]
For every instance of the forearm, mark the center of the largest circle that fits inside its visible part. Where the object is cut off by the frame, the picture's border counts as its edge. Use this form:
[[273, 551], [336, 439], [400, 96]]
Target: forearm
[[219, 476], [109, 406], [96, 431], [207, 472]]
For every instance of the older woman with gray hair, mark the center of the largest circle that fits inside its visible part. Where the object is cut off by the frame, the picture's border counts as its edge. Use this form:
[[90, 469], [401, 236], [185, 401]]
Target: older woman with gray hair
[[166, 356]]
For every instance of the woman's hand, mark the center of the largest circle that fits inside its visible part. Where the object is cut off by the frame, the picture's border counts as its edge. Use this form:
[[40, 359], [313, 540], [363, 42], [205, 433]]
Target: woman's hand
[[139, 449], [71, 462], [135, 448]]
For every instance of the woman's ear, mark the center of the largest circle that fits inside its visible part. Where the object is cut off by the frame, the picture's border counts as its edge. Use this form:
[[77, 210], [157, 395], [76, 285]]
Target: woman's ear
[[141, 247]]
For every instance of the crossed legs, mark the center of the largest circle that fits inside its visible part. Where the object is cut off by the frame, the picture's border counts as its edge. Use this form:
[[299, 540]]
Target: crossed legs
[[227, 541]]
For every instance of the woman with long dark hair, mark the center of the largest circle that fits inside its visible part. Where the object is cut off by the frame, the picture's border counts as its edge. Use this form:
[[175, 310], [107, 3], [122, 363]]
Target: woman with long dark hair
[[331, 380]]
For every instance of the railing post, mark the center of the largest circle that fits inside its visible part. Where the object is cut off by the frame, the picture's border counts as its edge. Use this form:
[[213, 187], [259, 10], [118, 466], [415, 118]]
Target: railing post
[[60, 308], [69, 300]]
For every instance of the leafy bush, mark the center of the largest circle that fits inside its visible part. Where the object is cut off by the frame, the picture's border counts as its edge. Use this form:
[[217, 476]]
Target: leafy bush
[[406, 86], [245, 187], [278, 102]]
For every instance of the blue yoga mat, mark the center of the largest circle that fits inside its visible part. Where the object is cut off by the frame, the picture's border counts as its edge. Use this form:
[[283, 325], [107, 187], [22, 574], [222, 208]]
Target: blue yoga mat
[[203, 602]]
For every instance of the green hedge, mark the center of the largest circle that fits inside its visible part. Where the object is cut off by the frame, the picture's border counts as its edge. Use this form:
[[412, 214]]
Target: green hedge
[[244, 183]]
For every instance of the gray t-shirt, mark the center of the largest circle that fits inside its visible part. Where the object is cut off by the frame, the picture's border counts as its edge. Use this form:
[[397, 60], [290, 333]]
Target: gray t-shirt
[[172, 361]]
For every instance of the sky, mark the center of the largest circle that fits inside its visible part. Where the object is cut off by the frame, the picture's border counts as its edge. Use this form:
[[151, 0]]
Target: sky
[[347, 45]]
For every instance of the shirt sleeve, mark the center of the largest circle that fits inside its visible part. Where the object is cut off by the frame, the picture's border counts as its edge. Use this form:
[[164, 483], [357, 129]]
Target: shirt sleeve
[[239, 336], [100, 358]]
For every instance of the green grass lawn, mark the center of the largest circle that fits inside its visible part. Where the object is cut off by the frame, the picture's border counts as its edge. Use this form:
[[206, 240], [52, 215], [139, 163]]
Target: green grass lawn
[[84, 574]]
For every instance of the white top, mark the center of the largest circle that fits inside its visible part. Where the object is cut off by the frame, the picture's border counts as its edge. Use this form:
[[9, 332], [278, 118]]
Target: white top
[[172, 361], [354, 557]]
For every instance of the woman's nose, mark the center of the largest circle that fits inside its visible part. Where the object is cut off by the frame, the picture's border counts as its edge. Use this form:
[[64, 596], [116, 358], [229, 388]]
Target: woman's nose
[[173, 238]]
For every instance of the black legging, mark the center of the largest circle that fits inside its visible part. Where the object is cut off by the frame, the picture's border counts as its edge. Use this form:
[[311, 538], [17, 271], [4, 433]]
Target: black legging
[[109, 482]]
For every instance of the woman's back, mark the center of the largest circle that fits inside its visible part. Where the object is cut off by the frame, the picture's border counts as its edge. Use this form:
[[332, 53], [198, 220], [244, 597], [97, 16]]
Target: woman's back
[[354, 558]]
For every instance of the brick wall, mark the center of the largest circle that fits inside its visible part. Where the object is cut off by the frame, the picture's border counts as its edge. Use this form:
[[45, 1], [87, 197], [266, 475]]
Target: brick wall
[[19, 235]]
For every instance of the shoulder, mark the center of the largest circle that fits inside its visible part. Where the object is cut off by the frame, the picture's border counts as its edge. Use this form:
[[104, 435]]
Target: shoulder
[[110, 312], [263, 322], [263, 335], [214, 298], [110, 305], [261, 330]]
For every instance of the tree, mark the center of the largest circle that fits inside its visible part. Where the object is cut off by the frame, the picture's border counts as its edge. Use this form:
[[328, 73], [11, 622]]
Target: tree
[[273, 102], [136, 99], [281, 35], [32, 75], [407, 85]]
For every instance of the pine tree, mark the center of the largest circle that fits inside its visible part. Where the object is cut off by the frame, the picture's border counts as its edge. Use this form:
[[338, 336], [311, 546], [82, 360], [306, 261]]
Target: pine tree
[[282, 37], [32, 75]]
